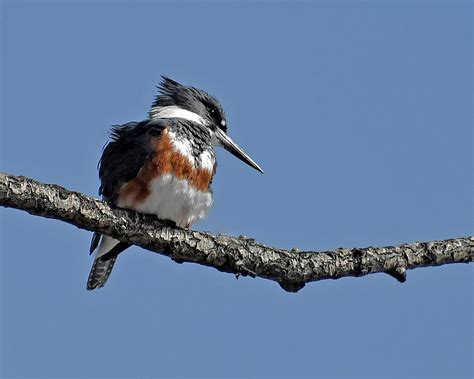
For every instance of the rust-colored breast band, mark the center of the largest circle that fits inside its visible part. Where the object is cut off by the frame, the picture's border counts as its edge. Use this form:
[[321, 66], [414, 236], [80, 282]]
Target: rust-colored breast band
[[165, 161]]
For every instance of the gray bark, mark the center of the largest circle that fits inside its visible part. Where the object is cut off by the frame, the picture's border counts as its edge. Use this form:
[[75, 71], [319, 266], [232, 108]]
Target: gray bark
[[240, 256]]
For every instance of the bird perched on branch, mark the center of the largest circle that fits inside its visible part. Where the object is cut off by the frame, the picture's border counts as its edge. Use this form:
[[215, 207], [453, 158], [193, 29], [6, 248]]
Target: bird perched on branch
[[163, 165]]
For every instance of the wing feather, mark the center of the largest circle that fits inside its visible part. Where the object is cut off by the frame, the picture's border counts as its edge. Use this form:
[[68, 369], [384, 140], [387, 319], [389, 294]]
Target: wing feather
[[127, 152]]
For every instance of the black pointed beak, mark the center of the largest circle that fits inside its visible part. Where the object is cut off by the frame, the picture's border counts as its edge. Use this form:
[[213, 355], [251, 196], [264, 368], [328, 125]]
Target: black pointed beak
[[235, 150]]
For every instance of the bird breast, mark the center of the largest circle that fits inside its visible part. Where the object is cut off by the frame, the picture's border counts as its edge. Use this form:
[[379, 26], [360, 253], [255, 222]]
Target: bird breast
[[173, 185]]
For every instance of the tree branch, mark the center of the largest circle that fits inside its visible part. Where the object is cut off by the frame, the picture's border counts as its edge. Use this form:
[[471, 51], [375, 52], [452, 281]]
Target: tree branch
[[240, 256]]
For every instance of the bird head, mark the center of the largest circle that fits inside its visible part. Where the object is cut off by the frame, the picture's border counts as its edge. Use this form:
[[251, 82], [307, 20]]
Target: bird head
[[177, 100]]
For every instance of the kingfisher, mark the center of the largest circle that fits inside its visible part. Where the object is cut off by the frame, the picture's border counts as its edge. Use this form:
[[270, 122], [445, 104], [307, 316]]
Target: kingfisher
[[163, 165]]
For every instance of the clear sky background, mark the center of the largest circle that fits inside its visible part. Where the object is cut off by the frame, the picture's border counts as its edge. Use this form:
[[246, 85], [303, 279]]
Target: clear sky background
[[360, 114]]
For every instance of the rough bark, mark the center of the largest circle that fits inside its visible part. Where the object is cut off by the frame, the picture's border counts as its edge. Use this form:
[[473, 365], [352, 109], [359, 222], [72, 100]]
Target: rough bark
[[240, 256]]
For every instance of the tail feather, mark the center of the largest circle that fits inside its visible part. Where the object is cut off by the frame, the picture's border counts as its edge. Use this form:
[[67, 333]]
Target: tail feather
[[106, 250], [100, 272], [94, 242]]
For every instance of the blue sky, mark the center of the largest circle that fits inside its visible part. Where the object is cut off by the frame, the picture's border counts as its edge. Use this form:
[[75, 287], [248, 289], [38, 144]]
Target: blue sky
[[360, 114]]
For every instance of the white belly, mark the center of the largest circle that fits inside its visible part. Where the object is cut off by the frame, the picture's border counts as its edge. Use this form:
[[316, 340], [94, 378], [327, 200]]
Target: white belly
[[174, 199], [170, 199]]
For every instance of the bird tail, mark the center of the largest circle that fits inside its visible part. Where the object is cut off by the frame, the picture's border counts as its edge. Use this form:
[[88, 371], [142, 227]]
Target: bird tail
[[106, 250], [100, 272]]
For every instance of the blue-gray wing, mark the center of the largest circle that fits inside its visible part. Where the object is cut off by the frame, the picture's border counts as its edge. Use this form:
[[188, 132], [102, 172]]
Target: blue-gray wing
[[124, 156]]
